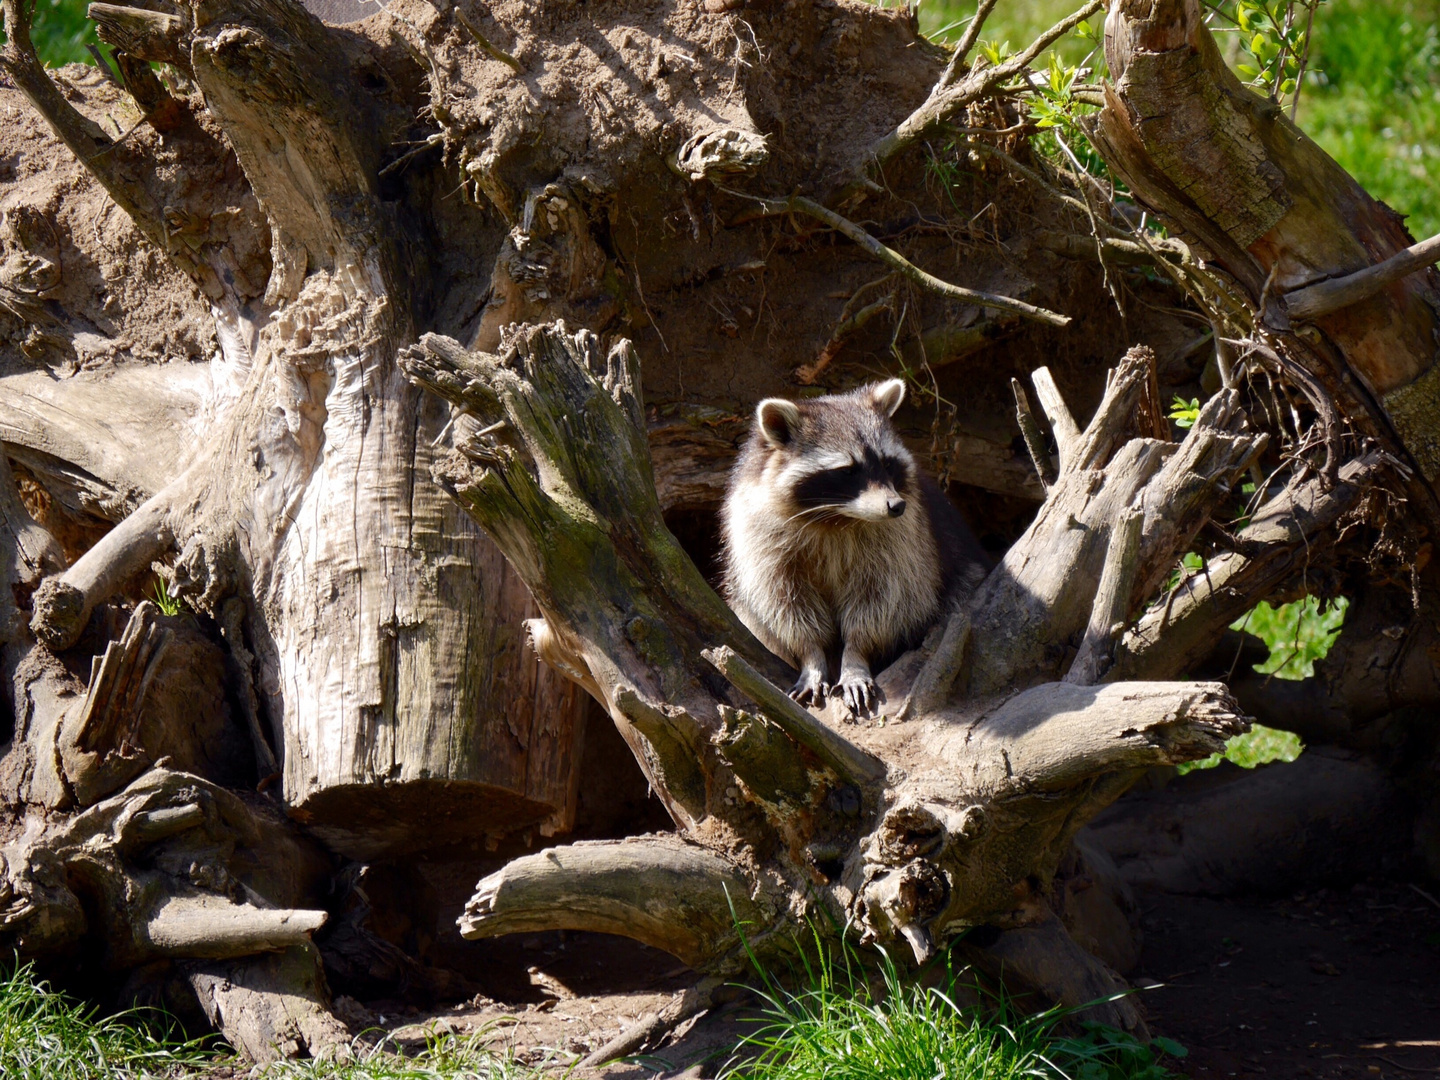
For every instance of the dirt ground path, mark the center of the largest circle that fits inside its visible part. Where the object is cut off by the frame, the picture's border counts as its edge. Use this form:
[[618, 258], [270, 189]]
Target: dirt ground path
[[1328, 984]]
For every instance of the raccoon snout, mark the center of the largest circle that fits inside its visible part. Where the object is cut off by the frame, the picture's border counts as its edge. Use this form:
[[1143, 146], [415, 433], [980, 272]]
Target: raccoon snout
[[896, 507]]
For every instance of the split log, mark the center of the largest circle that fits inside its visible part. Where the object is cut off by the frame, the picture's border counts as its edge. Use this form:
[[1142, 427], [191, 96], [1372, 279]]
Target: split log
[[1234, 174], [175, 868], [912, 831], [347, 627]]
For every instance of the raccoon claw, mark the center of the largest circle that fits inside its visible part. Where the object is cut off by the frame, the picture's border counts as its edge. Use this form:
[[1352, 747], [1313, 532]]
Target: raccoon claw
[[810, 689], [859, 693]]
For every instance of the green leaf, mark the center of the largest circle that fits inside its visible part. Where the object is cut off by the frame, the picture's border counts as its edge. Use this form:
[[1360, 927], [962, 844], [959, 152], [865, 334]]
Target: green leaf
[[1185, 413], [1168, 1046]]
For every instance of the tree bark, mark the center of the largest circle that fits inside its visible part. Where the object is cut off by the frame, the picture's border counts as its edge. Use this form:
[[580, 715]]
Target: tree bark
[[297, 204], [934, 825]]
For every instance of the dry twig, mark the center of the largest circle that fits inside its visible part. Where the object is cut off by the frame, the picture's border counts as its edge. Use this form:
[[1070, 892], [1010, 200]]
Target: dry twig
[[898, 262]]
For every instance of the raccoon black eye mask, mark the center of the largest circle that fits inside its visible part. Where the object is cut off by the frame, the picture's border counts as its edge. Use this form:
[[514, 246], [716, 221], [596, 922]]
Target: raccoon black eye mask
[[836, 487], [833, 537]]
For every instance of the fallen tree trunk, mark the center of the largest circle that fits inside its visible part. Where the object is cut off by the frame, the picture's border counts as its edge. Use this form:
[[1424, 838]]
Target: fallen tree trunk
[[912, 831], [297, 204]]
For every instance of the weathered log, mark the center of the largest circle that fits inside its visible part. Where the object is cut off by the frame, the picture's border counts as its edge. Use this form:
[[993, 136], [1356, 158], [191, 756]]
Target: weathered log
[[298, 425], [175, 868], [1042, 595], [912, 831], [271, 1007], [658, 890], [1276, 212]]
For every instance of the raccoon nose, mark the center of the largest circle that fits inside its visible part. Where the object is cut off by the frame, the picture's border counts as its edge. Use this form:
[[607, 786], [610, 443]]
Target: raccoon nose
[[895, 506]]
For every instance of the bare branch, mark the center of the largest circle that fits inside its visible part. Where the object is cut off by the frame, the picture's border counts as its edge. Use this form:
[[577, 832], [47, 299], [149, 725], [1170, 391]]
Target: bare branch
[[947, 100], [143, 34], [1172, 636], [653, 1026], [656, 889], [898, 262], [212, 928], [966, 43], [1316, 301], [1067, 432], [63, 603], [85, 138], [1034, 437], [848, 760]]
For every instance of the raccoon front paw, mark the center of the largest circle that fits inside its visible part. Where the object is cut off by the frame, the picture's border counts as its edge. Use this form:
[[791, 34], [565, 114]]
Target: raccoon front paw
[[859, 692], [810, 688]]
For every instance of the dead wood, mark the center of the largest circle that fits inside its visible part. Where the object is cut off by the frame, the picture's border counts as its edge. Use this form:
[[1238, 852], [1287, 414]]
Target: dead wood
[[1279, 215], [1315, 301], [331, 196], [909, 847]]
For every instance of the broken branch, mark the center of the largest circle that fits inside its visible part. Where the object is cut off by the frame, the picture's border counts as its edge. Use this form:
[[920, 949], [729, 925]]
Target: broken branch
[[898, 262], [1112, 600], [1033, 436], [947, 99], [848, 760], [1314, 301], [656, 889], [1066, 431]]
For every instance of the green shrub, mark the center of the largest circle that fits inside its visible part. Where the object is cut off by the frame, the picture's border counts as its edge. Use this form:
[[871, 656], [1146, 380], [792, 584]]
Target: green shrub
[[44, 1035], [836, 1027]]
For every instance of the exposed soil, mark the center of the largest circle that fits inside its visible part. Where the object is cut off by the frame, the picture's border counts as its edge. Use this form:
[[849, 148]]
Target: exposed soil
[[1332, 983]]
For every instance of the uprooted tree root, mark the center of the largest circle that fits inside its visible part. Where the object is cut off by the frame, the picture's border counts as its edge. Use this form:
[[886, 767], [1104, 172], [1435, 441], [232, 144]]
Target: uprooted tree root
[[302, 202]]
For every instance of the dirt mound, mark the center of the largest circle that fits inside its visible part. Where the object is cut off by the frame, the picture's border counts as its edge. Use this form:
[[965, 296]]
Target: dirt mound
[[79, 286]]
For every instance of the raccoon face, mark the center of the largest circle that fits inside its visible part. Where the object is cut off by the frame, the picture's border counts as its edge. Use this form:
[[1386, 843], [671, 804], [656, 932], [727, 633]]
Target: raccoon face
[[839, 457]]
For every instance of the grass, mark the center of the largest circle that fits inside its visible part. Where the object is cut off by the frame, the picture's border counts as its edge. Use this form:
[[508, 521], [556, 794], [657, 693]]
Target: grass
[[46, 1035], [832, 1027], [836, 1027], [1371, 97], [1374, 104]]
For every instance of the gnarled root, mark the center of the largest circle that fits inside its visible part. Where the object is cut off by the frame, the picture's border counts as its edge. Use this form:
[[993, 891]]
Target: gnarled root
[[913, 832], [659, 890]]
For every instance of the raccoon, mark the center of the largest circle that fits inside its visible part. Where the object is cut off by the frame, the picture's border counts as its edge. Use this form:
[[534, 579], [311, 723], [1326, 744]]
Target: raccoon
[[833, 536]]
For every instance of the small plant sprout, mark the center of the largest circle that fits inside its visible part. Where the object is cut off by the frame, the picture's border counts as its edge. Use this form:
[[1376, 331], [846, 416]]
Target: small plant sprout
[[1183, 414], [165, 600]]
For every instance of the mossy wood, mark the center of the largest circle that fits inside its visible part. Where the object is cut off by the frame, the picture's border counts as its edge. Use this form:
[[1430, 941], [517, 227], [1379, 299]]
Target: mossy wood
[[203, 315]]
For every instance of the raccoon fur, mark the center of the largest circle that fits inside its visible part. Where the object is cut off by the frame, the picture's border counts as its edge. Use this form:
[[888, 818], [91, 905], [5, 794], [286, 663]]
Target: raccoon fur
[[833, 537]]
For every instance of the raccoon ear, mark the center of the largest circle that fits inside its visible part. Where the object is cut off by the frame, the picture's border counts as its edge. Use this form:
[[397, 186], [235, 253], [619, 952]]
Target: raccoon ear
[[888, 395], [779, 420]]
